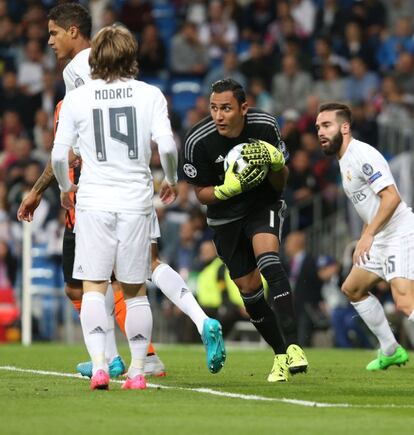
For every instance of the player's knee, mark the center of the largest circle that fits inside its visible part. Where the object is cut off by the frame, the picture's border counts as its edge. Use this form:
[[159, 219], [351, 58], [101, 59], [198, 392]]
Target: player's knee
[[350, 292]]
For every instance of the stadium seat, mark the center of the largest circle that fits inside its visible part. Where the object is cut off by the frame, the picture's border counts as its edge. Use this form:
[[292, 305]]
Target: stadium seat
[[184, 94]]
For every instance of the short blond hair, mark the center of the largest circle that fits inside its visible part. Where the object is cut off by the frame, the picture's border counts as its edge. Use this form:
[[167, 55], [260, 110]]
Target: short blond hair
[[114, 52]]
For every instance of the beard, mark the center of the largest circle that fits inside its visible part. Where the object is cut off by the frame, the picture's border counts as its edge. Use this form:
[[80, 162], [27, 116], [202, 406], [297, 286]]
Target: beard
[[334, 145]]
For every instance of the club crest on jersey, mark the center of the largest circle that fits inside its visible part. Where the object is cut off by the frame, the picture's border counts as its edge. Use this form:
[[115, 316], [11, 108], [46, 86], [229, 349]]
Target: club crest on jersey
[[367, 169], [348, 175], [79, 82], [190, 170]]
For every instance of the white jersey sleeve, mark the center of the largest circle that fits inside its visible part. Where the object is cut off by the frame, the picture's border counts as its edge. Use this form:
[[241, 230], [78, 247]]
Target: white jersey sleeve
[[161, 125], [77, 72], [365, 172]]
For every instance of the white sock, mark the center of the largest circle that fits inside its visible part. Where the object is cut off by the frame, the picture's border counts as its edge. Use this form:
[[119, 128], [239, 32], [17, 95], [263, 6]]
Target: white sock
[[411, 316], [94, 323], [174, 287], [372, 313], [111, 350], [138, 328]]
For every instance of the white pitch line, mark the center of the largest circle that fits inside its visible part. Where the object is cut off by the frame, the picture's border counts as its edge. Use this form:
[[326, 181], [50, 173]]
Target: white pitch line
[[306, 403]]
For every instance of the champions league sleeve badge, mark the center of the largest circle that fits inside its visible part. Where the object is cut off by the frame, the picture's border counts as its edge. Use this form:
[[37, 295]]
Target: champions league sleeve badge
[[367, 169], [79, 82], [190, 170]]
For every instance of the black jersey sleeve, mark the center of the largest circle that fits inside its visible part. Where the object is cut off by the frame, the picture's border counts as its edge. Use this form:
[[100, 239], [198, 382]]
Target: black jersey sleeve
[[265, 127], [196, 167]]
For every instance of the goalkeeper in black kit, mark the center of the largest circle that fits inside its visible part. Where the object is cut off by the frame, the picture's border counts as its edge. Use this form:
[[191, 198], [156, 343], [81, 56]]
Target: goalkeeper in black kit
[[245, 211]]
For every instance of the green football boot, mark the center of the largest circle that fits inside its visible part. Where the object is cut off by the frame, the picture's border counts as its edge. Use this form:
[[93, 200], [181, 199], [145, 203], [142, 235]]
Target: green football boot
[[296, 359], [382, 362], [280, 370]]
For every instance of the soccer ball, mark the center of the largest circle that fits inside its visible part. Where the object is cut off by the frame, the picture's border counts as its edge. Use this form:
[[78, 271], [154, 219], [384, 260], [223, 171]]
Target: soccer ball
[[234, 155]]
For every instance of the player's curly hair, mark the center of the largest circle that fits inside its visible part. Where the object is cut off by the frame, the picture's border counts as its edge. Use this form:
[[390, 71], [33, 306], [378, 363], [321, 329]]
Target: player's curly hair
[[113, 54]]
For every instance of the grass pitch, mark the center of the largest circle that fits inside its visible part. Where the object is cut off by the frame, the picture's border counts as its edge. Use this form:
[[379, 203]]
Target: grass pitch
[[336, 396]]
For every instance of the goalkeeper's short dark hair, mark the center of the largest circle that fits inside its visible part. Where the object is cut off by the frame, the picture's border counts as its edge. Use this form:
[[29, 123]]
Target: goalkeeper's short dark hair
[[230, 85]]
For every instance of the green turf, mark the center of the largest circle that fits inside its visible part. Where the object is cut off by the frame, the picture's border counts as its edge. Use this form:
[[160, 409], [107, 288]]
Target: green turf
[[40, 404]]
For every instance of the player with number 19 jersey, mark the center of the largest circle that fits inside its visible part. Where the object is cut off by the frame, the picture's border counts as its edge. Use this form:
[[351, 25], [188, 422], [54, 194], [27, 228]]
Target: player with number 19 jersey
[[112, 121]]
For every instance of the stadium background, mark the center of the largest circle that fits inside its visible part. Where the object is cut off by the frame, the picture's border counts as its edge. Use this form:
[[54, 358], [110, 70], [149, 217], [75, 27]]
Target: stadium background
[[290, 56]]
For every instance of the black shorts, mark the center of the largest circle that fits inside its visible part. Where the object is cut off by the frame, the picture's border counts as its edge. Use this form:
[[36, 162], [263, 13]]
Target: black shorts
[[234, 240], [69, 258]]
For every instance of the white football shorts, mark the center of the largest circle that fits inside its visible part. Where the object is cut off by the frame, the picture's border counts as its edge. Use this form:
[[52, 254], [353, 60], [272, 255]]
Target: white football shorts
[[392, 257], [107, 242]]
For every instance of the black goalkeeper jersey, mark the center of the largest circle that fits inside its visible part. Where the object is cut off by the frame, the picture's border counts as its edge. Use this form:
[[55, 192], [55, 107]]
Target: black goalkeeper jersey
[[203, 163]]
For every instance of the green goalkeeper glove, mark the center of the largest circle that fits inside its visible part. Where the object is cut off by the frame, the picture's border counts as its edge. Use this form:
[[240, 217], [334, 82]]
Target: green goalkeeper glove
[[234, 184], [259, 153]]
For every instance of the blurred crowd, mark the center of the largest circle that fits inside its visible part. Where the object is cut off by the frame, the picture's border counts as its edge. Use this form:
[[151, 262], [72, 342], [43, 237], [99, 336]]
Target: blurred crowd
[[291, 56]]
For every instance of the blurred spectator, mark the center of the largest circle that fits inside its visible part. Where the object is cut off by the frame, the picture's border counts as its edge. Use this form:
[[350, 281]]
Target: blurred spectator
[[324, 56], [258, 15], [196, 12], [304, 13], [13, 99], [281, 29], [331, 87], [371, 15], [401, 39], [188, 54], [229, 69], [186, 255], [257, 64], [307, 121], [302, 185], [330, 19], [291, 87], [397, 9], [42, 123], [233, 10], [347, 328], [50, 95], [306, 287], [109, 16], [354, 45], [290, 130], [8, 266], [22, 157], [152, 53], [216, 293], [404, 73], [5, 231], [136, 14], [364, 124], [361, 85], [390, 103], [263, 98], [42, 153], [219, 33], [30, 71]]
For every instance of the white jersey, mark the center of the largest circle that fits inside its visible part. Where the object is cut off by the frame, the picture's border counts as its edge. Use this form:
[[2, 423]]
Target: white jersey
[[115, 123], [77, 72], [365, 172]]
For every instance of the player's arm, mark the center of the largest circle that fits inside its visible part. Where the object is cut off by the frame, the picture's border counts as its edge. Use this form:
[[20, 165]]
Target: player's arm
[[278, 180], [169, 161], [60, 166], [389, 201], [234, 184]]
